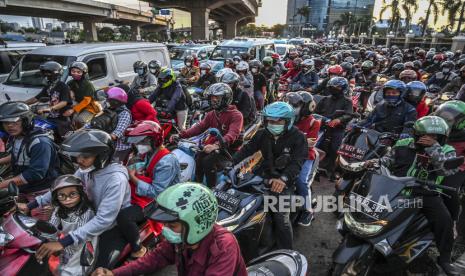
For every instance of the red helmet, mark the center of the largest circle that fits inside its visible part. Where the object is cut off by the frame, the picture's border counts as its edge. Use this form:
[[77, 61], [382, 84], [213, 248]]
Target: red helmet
[[145, 129], [439, 57], [335, 70], [275, 56]]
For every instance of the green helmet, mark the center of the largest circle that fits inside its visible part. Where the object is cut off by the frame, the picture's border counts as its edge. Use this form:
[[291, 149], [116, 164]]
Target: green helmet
[[368, 64], [267, 61], [431, 125], [453, 112], [190, 203], [166, 77]]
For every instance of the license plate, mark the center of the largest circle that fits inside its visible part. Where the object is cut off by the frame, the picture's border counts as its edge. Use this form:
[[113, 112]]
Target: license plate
[[365, 205], [351, 152], [227, 202]]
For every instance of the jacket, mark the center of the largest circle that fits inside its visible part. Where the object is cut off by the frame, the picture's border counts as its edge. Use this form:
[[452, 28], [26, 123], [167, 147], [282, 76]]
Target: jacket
[[147, 83], [142, 110], [229, 122], [191, 74], [245, 104], [109, 191], [307, 80], [170, 98], [291, 145], [205, 81], [441, 79], [310, 128], [329, 105], [218, 254]]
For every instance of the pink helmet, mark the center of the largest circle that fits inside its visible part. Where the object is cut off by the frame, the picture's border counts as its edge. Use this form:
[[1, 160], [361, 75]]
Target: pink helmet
[[118, 94]]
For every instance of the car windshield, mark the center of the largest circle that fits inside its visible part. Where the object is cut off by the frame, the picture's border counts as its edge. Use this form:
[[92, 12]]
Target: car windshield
[[27, 73], [280, 50], [181, 53], [224, 52]]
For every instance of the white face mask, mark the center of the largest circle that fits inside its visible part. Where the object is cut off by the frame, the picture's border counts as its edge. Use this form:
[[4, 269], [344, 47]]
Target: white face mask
[[88, 170], [143, 149], [188, 64], [254, 70], [203, 73]]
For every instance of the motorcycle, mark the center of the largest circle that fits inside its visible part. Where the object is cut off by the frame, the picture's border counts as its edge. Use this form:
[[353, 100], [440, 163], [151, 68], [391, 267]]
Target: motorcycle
[[279, 262], [387, 230]]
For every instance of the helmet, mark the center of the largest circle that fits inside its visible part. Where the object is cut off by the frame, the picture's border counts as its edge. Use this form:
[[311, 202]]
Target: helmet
[[448, 64], [396, 85], [409, 65], [166, 77], [349, 59], [267, 61], [409, 74], [453, 112], [205, 66], [228, 62], [318, 62], [189, 59], [415, 91], [294, 99], [237, 59], [145, 129], [14, 111], [398, 67], [335, 70], [140, 67], [421, 53], [461, 62], [90, 141], [221, 73], [154, 66], [297, 62], [347, 67], [449, 55], [67, 180], [230, 78], [51, 69], [279, 111], [192, 204], [219, 89], [340, 83], [367, 65], [308, 64], [309, 103], [438, 58], [434, 88], [79, 65], [117, 94], [417, 65], [431, 125], [242, 66], [395, 60], [255, 64], [275, 56]]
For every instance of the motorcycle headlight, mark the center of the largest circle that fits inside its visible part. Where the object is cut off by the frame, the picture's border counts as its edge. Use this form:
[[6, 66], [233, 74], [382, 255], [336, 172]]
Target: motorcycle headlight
[[5, 238], [365, 229], [351, 166]]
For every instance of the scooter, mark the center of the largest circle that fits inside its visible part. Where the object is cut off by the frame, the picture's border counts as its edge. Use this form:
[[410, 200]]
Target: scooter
[[279, 262], [385, 230]]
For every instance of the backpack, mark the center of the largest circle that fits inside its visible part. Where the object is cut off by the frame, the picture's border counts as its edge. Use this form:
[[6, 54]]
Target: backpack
[[106, 121]]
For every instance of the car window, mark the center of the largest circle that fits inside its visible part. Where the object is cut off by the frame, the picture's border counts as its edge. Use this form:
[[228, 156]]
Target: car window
[[253, 52], [125, 60], [5, 65], [148, 55], [269, 50], [97, 68]]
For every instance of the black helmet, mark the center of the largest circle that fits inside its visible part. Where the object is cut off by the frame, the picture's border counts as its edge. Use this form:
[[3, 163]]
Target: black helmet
[[255, 63], [205, 66], [14, 111], [230, 78], [229, 62], [90, 141], [221, 90], [189, 59], [309, 103], [79, 65], [52, 70], [294, 99], [398, 67], [347, 66], [448, 64], [154, 66], [140, 67]]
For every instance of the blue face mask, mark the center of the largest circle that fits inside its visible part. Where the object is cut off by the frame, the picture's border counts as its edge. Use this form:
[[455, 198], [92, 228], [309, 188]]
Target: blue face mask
[[391, 100], [140, 71], [171, 236], [275, 130]]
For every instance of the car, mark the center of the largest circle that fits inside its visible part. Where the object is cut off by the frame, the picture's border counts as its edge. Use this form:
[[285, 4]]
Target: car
[[11, 52], [109, 64], [178, 53], [283, 49]]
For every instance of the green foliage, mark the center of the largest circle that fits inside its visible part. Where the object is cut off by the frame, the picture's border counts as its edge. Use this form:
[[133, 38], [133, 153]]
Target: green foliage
[[106, 34]]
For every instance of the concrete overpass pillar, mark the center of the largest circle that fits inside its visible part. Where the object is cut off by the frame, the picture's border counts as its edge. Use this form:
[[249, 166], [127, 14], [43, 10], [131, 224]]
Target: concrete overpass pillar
[[230, 28], [199, 23], [135, 36], [90, 30]]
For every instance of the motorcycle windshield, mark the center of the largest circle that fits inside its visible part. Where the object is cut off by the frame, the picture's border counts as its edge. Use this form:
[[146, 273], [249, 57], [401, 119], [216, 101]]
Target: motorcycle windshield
[[377, 186], [359, 145]]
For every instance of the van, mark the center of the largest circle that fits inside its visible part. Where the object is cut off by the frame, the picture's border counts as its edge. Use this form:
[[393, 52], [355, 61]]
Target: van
[[299, 41], [178, 53], [11, 52], [109, 64], [283, 49], [257, 48]]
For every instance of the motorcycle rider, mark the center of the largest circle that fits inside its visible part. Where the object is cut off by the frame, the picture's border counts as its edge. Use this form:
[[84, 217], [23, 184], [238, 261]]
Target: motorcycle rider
[[140, 107], [259, 83], [247, 80], [106, 185], [393, 112], [292, 72], [228, 120], [271, 75], [455, 84], [59, 98], [436, 61], [284, 149], [33, 157], [169, 98], [415, 95], [303, 105], [154, 67], [333, 71], [444, 76], [280, 69], [366, 79], [207, 78], [408, 76], [396, 70], [193, 242], [229, 63], [244, 103], [189, 72], [338, 88], [144, 82], [307, 78], [423, 157]]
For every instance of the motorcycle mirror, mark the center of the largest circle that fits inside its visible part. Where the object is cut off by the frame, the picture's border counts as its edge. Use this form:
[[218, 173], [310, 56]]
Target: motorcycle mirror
[[13, 190], [87, 254], [453, 163]]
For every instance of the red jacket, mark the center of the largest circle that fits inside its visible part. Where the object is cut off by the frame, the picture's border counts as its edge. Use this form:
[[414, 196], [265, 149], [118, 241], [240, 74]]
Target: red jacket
[[292, 73], [142, 110], [310, 127], [422, 109], [218, 254], [228, 122]]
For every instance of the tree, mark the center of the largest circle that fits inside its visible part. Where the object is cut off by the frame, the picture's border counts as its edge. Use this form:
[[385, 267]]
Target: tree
[[394, 7], [454, 8], [433, 7], [125, 32], [278, 29], [409, 7], [345, 20], [106, 34]]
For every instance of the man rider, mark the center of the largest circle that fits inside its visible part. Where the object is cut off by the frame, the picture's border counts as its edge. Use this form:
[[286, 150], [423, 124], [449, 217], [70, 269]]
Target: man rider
[[259, 83], [307, 78], [244, 103], [284, 150], [456, 83], [367, 80], [207, 78], [144, 81], [444, 76], [154, 67], [193, 241], [189, 72]]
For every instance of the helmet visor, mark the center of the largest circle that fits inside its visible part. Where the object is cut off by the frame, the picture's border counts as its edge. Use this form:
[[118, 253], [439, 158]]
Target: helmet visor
[[159, 213], [10, 120], [135, 139]]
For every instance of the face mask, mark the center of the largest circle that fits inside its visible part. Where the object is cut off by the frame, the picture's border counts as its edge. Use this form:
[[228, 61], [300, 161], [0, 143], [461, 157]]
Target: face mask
[[171, 236], [140, 72], [76, 77], [332, 62], [391, 100], [88, 170], [188, 64], [143, 149], [236, 62], [436, 61], [254, 70], [335, 93], [446, 70], [275, 130], [153, 71], [203, 72]]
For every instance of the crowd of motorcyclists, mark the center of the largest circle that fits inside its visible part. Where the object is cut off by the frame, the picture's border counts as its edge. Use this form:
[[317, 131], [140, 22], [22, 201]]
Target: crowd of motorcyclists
[[125, 173]]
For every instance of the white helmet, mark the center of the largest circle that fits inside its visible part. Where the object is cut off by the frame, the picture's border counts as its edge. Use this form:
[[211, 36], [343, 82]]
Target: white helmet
[[308, 63], [222, 72], [242, 66]]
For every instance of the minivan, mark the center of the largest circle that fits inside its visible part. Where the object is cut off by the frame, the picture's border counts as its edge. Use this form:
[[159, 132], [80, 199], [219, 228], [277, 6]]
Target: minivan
[[178, 53], [108, 63], [257, 48], [11, 52]]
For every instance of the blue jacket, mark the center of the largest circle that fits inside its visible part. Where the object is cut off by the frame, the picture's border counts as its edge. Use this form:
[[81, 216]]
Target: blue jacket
[[307, 80], [170, 98]]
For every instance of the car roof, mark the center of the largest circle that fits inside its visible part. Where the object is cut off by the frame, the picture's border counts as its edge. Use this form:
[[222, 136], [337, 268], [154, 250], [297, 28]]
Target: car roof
[[246, 42], [86, 48], [20, 45]]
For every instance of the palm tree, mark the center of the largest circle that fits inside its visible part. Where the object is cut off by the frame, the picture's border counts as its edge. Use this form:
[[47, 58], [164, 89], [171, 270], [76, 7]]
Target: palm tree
[[433, 7], [394, 7], [409, 7], [454, 8]]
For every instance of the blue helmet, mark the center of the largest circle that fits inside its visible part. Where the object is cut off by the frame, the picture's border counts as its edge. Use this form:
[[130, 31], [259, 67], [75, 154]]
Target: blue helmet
[[415, 91], [396, 85], [340, 83], [279, 111]]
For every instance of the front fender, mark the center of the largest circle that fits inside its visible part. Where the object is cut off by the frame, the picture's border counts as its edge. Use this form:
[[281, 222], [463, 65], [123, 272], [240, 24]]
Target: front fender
[[349, 249]]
